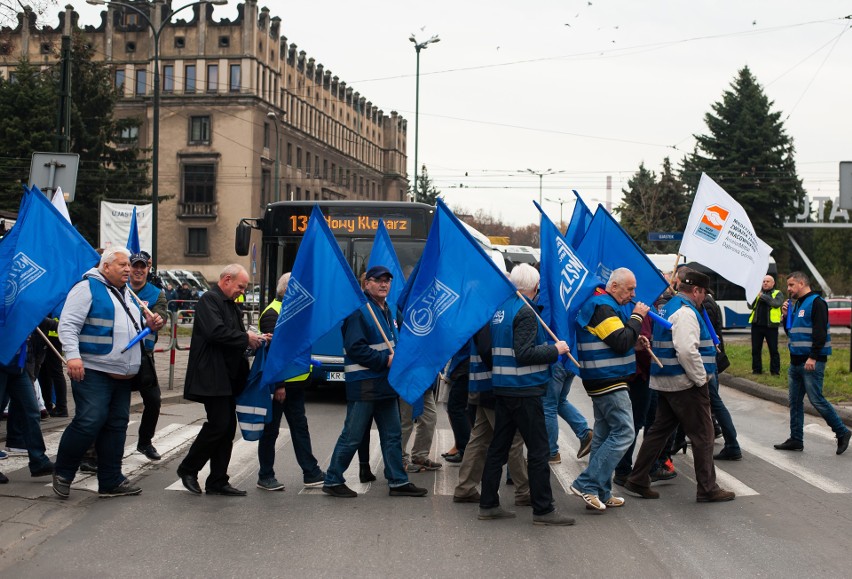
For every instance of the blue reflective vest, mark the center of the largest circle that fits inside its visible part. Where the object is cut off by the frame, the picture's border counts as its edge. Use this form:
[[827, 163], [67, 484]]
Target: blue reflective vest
[[96, 333], [664, 348], [479, 374], [356, 373], [801, 340], [505, 372], [597, 360], [149, 293]]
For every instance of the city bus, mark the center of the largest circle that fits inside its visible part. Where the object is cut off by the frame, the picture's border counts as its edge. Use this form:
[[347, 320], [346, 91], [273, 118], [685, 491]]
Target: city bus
[[354, 225]]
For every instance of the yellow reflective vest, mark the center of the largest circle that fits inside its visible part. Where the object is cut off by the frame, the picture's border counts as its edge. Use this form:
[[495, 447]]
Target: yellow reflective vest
[[774, 313], [276, 305]]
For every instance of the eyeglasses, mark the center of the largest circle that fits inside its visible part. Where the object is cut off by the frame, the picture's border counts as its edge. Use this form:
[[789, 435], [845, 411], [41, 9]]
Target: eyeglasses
[[380, 281]]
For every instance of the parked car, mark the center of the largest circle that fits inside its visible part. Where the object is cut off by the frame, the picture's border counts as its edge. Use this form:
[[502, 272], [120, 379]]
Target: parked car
[[840, 312]]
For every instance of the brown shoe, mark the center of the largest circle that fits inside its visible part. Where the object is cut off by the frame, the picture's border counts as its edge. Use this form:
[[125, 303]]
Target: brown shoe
[[644, 492], [717, 496], [471, 498]]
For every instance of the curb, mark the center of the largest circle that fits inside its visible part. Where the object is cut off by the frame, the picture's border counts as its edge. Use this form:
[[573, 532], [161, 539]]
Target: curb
[[778, 396]]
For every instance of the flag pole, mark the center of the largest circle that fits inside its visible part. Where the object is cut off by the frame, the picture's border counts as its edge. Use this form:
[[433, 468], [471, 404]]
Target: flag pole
[[674, 269], [381, 331], [52, 347], [138, 301], [543, 325]]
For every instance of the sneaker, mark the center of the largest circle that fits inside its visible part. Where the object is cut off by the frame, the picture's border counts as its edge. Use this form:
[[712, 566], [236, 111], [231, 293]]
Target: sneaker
[[340, 491], [717, 496], [494, 513], [61, 486], [727, 454], [16, 451], [125, 489], [619, 479], [407, 490], [555, 459], [471, 498], [314, 481], [270, 484], [644, 492], [3, 455], [553, 518], [426, 463], [663, 474], [591, 500], [586, 445], [614, 502], [791, 444], [843, 442], [411, 467]]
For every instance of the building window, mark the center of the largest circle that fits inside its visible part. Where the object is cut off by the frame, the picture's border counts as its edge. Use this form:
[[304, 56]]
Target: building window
[[289, 154], [325, 168], [316, 166], [119, 79], [180, 42], [129, 135], [196, 241], [199, 188], [131, 19], [141, 81], [308, 164], [298, 193], [189, 78], [234, 78], [199, 130], [265, 187], [265, 135], [298, 157], [212, 77], [168, 78]]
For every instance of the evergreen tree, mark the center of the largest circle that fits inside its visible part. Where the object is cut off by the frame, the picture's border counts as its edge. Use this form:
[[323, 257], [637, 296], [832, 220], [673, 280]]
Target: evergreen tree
[[111, 167], [651, 204], [426, 191], [749, 154]]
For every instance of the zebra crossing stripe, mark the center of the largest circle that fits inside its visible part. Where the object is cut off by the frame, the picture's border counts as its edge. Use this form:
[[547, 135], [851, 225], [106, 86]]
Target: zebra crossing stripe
[[570, 468], [447, 477], [725, 480]]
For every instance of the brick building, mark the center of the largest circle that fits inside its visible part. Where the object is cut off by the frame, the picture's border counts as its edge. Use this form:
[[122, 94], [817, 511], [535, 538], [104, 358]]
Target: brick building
[[225, 85]]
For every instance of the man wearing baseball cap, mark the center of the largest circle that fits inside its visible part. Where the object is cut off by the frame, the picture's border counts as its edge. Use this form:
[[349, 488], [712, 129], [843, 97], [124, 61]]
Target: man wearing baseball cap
[[689, 360]]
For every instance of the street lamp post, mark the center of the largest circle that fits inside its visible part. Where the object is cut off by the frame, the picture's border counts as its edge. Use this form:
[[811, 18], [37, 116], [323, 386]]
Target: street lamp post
[[418, 46], [274, 117], [561, 203], [155, 141], [541, 175]]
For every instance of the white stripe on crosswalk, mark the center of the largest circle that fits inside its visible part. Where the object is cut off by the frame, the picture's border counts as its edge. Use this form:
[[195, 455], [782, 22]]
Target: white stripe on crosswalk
[[446, 478], [243, 461], [787, 463], [570, 468], [352, 473], [820, 430], [724, 479]]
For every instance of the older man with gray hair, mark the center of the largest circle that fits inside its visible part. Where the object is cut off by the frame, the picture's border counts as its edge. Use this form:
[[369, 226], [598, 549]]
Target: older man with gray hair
[[606, 339], [98, 321]]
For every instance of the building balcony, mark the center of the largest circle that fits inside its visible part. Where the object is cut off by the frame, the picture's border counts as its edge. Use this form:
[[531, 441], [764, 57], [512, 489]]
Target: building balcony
[[197, 210]]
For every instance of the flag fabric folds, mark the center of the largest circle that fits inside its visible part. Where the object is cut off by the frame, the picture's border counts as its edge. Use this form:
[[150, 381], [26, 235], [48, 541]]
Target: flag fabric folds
[[322, 292], [41, 258], [581, 218], [58, 201], [720, 236], [133, 237], [456, 290], [384, 254], [566, 283], [606, 246]]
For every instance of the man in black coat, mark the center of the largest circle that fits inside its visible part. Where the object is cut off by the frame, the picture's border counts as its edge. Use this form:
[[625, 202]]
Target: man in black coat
[[215, 374]]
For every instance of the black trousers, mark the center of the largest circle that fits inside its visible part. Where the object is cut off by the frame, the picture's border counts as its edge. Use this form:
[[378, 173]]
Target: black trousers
[[758, 334], [214, 442], [524, 414], [150, 413], [51, 378]]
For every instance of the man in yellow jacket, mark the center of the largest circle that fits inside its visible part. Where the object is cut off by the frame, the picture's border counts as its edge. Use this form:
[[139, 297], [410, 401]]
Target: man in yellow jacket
[[765, 319]]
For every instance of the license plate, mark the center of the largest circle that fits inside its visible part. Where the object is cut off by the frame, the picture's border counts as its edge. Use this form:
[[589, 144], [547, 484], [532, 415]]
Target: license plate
[[335, 376]]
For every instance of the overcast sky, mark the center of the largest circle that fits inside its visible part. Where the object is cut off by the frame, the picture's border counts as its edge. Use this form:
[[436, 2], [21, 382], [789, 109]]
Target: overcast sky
[[589, 88]]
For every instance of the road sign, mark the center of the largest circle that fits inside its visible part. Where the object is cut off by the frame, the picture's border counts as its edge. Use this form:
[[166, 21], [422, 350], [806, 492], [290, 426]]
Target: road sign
[[51, 170], [665, 236], [846, 185]]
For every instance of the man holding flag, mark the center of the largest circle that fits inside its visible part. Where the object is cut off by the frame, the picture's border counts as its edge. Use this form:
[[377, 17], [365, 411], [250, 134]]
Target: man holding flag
[[369, 337]]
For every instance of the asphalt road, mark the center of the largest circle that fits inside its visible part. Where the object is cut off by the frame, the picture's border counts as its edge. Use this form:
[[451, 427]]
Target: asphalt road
[[791, 518]]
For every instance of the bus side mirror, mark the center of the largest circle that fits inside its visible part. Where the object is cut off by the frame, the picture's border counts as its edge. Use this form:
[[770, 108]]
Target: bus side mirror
[[242, 238]]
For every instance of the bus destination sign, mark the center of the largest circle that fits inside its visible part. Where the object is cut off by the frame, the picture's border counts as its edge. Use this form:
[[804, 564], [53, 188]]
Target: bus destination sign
[[353, 225]]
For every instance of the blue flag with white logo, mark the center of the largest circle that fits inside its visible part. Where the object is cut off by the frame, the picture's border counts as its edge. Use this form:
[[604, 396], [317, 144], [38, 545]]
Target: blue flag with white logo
[[133, 237], [455, 292], [606, 246], [384, 254], [40, 260], [321, 293], [566, 283], [581, 218]]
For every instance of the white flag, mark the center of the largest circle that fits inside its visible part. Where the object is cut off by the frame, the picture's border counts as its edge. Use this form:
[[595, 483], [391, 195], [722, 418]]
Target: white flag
[[719, 235], [58, 201]]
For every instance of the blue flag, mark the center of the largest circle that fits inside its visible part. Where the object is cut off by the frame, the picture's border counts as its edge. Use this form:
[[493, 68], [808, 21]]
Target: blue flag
[[322, 292], [456, 290], [581, 218], [133, 237], [566, 283], [606, 246], [383, 254], [40, 260]]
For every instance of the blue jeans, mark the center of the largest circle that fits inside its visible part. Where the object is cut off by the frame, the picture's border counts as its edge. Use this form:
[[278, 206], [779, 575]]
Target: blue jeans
[[555, 401], [613, 435], [23, 410], [358, 415], [717, 407], [801, 382], [293, 409], [101, 416]]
